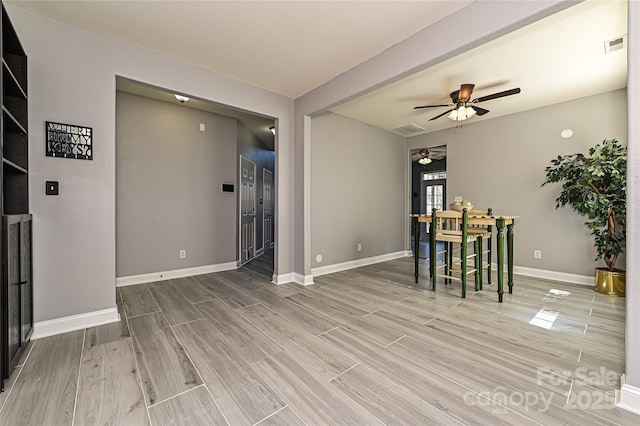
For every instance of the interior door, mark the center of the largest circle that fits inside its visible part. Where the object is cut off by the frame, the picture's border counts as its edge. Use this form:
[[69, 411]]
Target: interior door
[[247, 210], [267, 206]]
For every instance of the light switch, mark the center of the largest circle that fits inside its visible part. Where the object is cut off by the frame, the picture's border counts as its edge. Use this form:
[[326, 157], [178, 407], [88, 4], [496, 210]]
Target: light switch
[[52, 187]]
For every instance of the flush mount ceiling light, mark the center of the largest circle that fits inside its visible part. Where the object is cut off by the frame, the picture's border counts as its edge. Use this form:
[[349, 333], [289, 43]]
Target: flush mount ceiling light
[[181, 98], [273, 130]]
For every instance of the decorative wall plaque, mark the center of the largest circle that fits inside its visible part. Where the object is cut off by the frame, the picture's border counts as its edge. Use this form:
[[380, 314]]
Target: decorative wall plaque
[[69, 141]]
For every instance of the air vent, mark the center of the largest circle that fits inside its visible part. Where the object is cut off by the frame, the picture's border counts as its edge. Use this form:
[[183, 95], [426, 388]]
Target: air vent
[[408, 129], [617, 43]]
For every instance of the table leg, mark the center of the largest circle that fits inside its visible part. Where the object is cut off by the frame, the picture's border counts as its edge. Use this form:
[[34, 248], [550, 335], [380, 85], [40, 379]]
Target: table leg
[[432, 256], [500, 244], [490, 254], [490, 257], [478, 259], [510, 255], [416, 246]]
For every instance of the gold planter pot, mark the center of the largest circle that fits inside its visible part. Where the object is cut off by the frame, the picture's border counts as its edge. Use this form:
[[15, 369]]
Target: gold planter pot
[[610, 282]]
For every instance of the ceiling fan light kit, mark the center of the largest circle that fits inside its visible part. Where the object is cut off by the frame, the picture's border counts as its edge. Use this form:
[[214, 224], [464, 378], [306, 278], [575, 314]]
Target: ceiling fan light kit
[[425, 157], [462, 113]]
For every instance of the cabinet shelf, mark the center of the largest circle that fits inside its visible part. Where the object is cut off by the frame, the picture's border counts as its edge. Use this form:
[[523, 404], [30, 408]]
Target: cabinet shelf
[[16, 67], [11, 124], [11, 167], [15, 149], [10, 41], [17, 108], [16, 291], [10, 84]]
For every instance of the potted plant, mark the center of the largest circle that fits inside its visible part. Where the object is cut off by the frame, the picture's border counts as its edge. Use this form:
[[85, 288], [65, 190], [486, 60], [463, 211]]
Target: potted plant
[[596, 187]]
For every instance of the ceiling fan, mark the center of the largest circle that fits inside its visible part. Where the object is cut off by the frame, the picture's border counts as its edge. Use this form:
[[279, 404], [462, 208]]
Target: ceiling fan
[[462, 107], [425, 156]]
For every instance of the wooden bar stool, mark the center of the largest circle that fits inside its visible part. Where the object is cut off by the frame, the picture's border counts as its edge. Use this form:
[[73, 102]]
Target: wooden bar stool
[[452, 229], [485, 233]]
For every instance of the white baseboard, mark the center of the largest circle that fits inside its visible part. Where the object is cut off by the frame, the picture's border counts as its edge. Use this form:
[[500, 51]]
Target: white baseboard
[[303, 279], [292, 277], [330, 269], [282, 278], [74, 322], [544, 274], [177, 273], [550, 275], [628, 398]]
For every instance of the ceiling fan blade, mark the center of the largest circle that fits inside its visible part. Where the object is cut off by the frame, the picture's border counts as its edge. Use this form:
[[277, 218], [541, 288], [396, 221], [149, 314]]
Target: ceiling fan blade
[[440, 115], [442, 148], [465, 92], [431, 106], [479, 111], [498, 95]]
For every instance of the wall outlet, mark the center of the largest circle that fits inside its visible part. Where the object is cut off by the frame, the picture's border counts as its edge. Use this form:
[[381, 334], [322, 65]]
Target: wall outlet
[[359, 246], [537, 254], [202, 127], [183, 254]]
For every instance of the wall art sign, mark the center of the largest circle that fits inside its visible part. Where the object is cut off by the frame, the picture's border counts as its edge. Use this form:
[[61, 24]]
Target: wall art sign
[[69, 141]]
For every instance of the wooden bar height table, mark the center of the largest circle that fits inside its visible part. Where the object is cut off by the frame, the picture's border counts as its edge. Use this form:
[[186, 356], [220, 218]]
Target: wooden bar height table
[[497, 220]]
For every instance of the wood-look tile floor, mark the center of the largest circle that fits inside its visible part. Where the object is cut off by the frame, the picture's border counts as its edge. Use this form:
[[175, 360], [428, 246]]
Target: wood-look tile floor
[[364, 346]]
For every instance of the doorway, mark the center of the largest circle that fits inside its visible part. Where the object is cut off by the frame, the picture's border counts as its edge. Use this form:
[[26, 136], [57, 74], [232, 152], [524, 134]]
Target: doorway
[[428, 187]]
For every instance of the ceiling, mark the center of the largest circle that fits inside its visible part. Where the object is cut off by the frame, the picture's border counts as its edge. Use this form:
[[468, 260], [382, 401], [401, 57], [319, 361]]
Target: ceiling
[[286, 47], [289, 47], [556, 59]]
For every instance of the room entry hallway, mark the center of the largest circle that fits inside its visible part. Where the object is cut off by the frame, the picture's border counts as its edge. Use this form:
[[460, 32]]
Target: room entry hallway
[[363, 346]]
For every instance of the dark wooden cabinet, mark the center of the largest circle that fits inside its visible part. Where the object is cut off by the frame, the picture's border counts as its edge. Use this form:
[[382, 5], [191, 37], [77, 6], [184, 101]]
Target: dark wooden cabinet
[[17, 289], [16, 295]]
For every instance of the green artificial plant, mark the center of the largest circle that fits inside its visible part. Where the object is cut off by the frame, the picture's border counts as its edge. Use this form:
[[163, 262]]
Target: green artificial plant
[[596, 186]]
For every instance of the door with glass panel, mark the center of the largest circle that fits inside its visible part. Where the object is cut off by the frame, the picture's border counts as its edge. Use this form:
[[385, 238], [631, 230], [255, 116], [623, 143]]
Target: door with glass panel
[[434, 191]]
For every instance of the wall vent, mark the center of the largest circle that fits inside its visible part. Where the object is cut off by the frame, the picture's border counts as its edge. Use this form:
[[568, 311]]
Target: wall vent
[[408, 129], [617, 43]]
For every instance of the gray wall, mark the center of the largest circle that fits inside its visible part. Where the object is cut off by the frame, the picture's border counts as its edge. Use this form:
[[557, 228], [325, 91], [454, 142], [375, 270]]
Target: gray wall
[[499, 163], [168, 186], [74, 242], [357, 195], [252, 148], [491, 19]]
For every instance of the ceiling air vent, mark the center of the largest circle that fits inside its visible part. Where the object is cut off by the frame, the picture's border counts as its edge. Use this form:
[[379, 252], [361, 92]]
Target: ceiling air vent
[[408, 129], [617, 43]]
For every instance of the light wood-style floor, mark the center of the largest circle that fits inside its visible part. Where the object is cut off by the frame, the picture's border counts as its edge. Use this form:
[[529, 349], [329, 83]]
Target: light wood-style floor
[[364, 346]]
